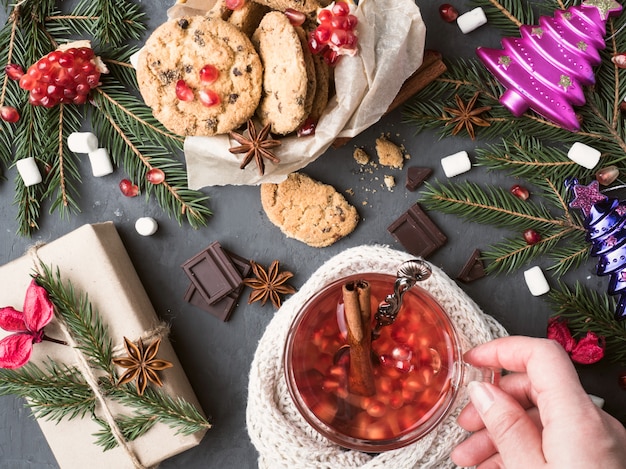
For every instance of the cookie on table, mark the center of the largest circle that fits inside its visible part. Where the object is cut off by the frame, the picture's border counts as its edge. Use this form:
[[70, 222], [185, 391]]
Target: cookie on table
[[285, 78], [308, 210], [178, 50]]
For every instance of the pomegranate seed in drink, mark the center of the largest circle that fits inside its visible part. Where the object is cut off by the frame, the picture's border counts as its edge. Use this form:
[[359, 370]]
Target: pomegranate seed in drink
[[297, 18], [183, 92], [209, 73], [9, 114], [209, 98], [14, 71]]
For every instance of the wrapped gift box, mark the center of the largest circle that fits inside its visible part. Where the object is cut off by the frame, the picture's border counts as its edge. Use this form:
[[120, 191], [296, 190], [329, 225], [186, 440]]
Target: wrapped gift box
[[95, 261]]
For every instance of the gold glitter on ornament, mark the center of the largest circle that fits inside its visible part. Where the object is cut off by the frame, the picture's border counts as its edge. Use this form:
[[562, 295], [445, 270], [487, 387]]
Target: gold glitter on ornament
[[605, 7], [505, 61], [565, 82], [582, 45], [537, 32]]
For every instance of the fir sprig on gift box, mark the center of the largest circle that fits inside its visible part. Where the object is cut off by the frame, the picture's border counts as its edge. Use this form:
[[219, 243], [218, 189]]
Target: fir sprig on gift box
[[56, 391], [532, 151], [123, 124]]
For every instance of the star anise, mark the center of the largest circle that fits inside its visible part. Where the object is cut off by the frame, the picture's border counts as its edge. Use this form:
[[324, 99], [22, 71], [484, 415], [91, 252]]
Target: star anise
[[142, 364], [268, 285], [256, 145], [466, 116]]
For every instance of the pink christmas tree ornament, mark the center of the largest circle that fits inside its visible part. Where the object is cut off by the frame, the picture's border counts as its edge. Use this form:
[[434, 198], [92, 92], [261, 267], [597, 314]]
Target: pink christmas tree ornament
[[546, 68]]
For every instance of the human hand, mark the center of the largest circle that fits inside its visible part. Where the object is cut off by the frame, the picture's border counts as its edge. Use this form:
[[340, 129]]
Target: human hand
[[539, 417]]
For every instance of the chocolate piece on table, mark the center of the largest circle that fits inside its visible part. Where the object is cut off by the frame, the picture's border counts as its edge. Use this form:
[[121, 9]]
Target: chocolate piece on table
[[223, 308], [417, 232], [415, 176], [213, 273], [473, 268]]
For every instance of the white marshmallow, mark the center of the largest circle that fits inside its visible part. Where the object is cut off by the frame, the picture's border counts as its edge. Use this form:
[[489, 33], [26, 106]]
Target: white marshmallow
[[29, 171], [456, 164], [584, 155], [536, 281], [82, 142], [146, 226], [598, 401], [471, 20], [134, 59], [100, 162]]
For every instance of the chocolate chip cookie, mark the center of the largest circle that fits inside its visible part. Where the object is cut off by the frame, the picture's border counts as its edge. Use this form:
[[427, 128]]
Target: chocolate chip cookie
[[186, 100]]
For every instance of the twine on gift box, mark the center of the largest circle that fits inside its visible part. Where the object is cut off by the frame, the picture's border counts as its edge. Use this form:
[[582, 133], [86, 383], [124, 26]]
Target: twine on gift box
[[159, 331]]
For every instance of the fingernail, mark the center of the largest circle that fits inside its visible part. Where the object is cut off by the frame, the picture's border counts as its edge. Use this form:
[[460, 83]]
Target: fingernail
[[481, 396]]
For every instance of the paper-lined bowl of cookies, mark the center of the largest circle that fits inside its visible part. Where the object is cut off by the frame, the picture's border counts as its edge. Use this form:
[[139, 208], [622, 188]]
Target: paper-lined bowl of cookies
[[261, 88]]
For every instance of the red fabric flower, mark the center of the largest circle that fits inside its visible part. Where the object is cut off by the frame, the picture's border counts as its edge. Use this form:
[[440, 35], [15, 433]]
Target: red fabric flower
[[15, 349], [586, 351]]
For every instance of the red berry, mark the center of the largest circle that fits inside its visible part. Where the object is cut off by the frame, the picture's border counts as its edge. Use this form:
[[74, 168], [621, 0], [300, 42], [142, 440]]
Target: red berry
[[531, 236], [330, 57], [235, 4], [9, 114], [315, 46], [128, 188], [295, 17], [520, 192], [323, 33], [183, 92], [209, 73], [14, 71], [155, 176], [448, 12], [209, 98]]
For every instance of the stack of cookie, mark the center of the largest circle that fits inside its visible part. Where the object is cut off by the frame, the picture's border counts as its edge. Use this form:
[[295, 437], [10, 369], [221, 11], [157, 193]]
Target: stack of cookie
[[262, 67]]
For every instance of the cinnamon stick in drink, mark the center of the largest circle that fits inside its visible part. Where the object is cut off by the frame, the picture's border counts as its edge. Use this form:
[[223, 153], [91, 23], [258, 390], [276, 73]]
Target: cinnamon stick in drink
[[356, 300]]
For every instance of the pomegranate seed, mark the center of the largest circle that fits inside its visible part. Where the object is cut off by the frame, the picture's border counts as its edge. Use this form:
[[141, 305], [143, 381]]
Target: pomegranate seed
[[63, 79], [351, 22], [79, 99], [128, 188], [295, 17], [93, 79], [27, 82], [45, 78], [14, 71], [341, 9], [235, 4], [66, 60], [531, 236], [338, 37], [323, 33], [183, 92], [331, 57], [85, 53], [448, 13], [339, 22], [209, 73], [324, 16], [520, 192], [9, 114], [307, 128], [619, 60], [607, 176], [54, 56], [34, 73], [209, 98], [315, 46], [82, 89], [38, 92], [622, 380], [155, 176]]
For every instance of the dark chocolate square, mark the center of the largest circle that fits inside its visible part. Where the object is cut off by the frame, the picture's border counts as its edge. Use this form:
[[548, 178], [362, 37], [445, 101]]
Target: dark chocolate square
[[417, 232], [213, 273], [415, 176], [473, 268]]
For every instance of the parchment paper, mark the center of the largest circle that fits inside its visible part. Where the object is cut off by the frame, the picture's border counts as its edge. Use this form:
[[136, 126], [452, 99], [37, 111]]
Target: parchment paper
[[391, 47]]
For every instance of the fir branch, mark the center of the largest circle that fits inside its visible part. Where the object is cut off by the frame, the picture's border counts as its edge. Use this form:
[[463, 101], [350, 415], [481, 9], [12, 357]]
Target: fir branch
[[177, 413], [131, 427], [85, 325], [587, 310], [53, 393]]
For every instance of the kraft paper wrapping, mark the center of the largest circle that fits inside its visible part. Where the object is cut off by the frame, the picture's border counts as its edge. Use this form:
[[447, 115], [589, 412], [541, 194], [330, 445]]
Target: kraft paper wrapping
[[94, 259], [391, 47]]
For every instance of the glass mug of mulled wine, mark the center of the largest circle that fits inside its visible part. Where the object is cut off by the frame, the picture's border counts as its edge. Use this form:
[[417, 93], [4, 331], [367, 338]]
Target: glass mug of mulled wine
[[416, 367]]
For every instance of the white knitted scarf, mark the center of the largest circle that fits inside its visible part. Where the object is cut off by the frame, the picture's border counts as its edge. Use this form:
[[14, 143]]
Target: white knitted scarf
[[281, 435]]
